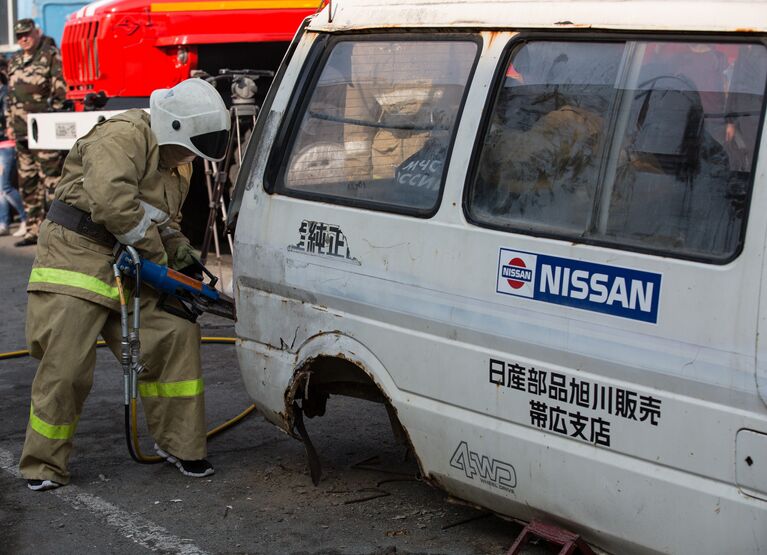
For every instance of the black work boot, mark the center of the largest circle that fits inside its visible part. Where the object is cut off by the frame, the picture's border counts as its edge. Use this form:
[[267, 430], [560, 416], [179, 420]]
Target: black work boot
[[196, 469]]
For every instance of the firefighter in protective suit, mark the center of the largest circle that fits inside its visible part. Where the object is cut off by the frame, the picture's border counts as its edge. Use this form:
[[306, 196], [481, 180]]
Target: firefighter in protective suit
[[124, 182]]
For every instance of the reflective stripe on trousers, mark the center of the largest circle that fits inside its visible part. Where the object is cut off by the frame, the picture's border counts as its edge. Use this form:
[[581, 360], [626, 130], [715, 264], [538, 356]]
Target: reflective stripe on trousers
[[51, 431], [186, 388], [57, 276]]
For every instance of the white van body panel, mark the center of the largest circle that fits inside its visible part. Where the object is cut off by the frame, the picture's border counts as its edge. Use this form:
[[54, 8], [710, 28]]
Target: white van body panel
[[761, 344], [417, 306], [652, 15]]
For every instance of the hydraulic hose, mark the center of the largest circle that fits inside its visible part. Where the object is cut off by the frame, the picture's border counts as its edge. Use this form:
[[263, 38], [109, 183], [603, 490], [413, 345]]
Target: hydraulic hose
[[130, 352], [14, 354], [131, 427], [131, 424], [25, 352], [131, 418]]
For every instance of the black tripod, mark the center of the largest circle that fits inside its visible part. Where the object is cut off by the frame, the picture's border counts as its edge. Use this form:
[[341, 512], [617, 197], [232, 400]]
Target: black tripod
[[242, 113]]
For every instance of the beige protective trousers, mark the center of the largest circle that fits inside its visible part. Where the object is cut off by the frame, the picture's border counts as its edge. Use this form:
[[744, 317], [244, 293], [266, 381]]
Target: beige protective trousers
[[62, 331]]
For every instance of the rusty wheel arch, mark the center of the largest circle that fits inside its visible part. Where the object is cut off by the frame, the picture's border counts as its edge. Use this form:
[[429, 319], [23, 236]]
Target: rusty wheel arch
[[320, 376]]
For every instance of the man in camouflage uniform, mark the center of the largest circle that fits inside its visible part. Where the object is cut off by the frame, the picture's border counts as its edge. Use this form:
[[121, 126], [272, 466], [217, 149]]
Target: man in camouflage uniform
[[34, 79]]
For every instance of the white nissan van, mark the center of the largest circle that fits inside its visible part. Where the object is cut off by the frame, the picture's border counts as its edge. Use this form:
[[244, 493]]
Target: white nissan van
[[536, 232]]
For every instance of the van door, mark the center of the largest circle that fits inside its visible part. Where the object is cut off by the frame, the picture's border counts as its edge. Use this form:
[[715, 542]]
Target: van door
[[609, 202]]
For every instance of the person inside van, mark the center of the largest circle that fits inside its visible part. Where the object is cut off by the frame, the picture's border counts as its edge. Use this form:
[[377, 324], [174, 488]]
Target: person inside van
[[557, 148], [542, 142]]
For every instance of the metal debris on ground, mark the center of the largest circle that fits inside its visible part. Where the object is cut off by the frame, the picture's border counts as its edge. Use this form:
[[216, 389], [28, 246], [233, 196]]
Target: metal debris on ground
[[466, 520]]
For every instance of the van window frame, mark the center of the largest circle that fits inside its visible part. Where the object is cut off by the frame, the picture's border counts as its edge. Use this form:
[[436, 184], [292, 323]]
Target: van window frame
[[301, 95], [243, 182], [305, 77], [590, 36]]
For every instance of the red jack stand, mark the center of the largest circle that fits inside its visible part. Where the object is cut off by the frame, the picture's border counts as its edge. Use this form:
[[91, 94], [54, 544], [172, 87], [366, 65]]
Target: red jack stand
[[571, 543]]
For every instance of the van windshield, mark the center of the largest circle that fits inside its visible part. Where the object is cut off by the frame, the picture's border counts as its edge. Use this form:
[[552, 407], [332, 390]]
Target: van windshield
[[379, 121], [649, 145]]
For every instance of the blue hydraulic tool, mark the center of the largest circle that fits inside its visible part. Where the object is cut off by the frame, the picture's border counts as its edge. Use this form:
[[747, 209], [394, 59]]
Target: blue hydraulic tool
[[191, 294]]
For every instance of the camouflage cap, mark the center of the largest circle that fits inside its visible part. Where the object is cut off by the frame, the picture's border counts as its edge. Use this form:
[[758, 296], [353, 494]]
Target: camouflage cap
[[24, 26]]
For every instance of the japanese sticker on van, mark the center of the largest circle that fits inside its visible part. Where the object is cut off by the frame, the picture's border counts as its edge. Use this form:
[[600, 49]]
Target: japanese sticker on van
[[622, 292], [573, 406], [322, 239]]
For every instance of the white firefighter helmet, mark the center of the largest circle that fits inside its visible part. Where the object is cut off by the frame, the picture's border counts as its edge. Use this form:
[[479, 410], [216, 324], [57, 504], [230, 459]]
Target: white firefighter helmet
[[191, 114]]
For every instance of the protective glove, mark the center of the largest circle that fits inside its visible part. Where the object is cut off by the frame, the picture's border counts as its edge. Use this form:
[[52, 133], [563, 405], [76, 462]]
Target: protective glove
[[185, 256]]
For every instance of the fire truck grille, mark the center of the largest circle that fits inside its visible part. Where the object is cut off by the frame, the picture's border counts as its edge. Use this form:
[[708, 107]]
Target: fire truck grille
[[80, 53]]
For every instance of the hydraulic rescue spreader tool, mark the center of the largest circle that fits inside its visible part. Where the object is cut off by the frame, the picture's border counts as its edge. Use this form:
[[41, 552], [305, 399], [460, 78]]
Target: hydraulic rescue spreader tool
[[193, 295]]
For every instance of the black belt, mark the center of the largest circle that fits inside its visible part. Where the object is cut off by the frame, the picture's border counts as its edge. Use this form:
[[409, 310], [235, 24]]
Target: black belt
[[80, 222]]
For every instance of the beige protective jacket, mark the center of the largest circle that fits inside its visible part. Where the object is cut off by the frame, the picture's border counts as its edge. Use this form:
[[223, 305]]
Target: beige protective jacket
[[116, 174]]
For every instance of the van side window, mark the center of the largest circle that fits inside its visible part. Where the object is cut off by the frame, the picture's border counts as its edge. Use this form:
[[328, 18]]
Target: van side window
[[648, 146], [379, 122]]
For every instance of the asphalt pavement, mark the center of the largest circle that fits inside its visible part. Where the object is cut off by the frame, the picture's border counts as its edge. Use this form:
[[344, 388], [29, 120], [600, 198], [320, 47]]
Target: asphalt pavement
[[261, 499]]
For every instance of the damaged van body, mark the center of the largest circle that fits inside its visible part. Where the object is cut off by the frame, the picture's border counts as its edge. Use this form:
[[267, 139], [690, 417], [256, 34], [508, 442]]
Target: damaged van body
[[535, 231]]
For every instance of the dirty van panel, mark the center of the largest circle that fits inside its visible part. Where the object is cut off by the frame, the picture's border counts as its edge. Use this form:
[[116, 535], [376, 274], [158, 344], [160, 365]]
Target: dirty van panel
[[644, 145], [377, 125]]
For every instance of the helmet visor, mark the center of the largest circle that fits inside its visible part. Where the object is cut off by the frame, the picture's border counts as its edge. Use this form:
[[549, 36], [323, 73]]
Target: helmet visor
[[212, 145]]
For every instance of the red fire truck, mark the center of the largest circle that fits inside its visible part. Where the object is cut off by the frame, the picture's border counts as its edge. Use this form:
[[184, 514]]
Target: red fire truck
[[115, 52]]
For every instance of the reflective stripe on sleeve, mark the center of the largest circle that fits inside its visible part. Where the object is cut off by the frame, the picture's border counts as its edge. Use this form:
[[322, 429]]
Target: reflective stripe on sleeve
[[51, 431], [74, 279], [187, 388], [151, 214]]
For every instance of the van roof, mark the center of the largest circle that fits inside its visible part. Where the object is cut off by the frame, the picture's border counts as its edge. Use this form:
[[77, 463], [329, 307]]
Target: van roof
[[650, 15]]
